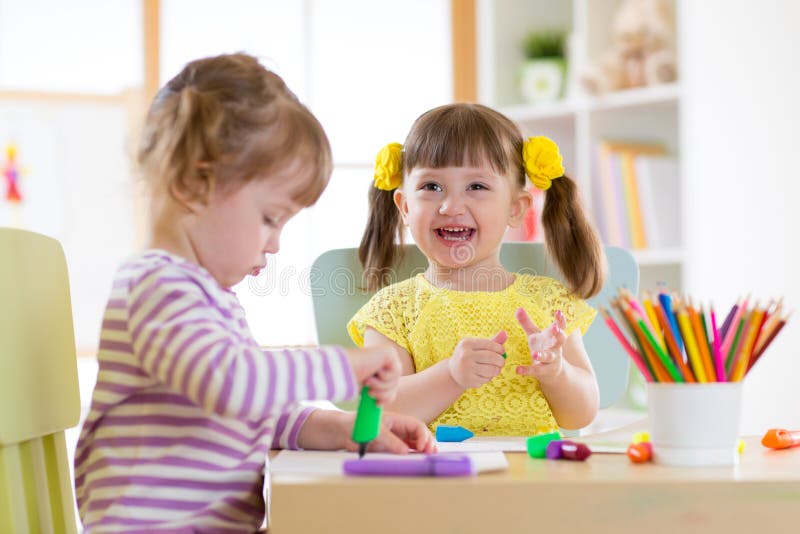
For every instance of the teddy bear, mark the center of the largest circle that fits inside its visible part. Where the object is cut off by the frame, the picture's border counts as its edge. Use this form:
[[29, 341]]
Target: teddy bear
[[642, 51]]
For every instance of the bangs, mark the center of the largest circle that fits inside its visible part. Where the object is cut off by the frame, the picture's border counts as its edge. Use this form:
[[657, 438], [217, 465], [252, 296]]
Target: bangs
[[463, 135]]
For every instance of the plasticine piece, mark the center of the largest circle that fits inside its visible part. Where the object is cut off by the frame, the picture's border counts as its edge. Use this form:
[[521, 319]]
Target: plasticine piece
[[641, 452], [452, 433], [575, 451], [553, 450], [537, 445]]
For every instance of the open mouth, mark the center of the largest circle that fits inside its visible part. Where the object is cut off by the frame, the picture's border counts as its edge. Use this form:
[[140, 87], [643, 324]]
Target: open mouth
[[455, 234]]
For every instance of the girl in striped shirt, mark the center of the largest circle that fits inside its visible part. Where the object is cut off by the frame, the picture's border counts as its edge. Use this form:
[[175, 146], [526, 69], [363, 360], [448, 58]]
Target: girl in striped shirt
[[187, 405]]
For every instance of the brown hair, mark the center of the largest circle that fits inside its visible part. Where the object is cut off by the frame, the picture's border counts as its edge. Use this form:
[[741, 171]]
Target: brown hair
[[471, 134], [224, 120]]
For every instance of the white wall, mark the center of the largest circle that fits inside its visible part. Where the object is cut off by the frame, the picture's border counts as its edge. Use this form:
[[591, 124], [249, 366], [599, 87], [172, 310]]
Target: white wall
[[741, 75]]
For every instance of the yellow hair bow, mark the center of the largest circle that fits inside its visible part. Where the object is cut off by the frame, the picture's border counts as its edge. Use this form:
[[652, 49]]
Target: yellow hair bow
[[542, 161], [389, 167]]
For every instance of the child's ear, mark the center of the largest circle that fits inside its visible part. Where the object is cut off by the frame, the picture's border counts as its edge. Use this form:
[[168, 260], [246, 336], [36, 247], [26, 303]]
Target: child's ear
[[401, 203], [195, 191], [520, 205]]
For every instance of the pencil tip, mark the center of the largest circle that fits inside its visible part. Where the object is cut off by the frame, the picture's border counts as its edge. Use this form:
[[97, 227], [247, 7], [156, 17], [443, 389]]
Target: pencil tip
[[362, 449]]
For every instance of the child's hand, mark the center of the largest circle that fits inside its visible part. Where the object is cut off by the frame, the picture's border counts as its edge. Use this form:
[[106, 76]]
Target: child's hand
[[546, 346], [379, 369], [398, 434], [477, 360]]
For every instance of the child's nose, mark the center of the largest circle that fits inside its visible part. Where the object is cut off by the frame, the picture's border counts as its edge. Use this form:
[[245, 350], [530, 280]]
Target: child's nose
[[452, 205], [273, 243]]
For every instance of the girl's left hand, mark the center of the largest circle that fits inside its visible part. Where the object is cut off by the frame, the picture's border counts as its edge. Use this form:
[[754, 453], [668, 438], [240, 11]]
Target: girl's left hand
[[545, 346], [399, 433]]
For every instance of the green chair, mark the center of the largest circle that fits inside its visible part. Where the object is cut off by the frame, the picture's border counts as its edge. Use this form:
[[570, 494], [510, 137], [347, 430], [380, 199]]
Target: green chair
[[337, 295], [39, 396]]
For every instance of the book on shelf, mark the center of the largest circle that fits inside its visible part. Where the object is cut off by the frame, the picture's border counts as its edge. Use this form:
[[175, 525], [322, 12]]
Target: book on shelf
[[636, 195], [657, 177]]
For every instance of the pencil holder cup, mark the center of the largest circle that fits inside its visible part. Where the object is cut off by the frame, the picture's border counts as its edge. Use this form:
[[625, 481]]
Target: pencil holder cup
[[694, 424]]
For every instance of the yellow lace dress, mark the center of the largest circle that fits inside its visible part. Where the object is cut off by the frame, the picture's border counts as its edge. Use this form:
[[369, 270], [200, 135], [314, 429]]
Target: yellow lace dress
[[429, 322]]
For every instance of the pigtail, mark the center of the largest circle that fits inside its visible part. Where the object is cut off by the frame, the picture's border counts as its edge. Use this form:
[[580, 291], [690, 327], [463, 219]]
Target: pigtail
[[196, 127], [572, 240], [378, 251]]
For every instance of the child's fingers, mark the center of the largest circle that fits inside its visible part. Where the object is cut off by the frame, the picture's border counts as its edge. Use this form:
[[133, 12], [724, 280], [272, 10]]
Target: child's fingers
[[388, 442], [559, 336], [525, 321], [544, 356], [526, 370], [489, 357], [487, 371], [501, 337], [411, 431], [541, 341], [480, 345], [561, 321]]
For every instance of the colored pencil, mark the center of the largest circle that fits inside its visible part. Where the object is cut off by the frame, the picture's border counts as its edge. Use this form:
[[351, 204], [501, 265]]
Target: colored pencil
[[666, 303], [637, 307], [623, 320], [771, 337], [671, 339], [651, 314], [668, 364], [770, 322], [747, 345], [635, 356], [732, 350], [702, 342], [718, 363], [659, 371], [672, 345], [728, 319], [709, 339], [691, 345], [727, 339]]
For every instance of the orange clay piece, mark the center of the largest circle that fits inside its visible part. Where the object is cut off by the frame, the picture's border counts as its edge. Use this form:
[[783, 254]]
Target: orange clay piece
[[778, 438], [641, 452]]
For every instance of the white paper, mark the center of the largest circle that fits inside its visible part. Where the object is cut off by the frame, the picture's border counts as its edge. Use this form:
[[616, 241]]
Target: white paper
[[331, 463], [519, 444], [485, 444]]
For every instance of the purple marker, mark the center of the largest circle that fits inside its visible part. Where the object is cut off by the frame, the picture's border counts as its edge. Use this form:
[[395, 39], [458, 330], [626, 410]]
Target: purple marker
[[433, 465]]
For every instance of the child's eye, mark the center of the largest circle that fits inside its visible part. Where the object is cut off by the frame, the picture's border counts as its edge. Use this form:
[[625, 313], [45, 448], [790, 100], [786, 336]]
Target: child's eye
[[268, 221], [430, 186], [478, 187]]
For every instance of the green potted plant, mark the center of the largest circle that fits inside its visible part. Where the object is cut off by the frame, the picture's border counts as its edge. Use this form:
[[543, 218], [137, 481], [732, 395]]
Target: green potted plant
[[542, 76]]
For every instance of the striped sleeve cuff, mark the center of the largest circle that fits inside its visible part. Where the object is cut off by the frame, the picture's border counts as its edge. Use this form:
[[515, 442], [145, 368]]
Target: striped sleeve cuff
[[339, 360], [288, 428]]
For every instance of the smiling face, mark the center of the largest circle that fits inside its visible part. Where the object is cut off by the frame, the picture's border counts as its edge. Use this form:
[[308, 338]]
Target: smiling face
[[458, 215]]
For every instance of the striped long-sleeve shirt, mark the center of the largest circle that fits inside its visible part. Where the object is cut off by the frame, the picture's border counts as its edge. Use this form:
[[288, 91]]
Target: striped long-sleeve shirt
[[187, 405]]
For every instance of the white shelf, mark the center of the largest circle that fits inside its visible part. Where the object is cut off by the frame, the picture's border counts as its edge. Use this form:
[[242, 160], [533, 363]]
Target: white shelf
[[646, 257], [567, 109], [559, 109], [645, 96]]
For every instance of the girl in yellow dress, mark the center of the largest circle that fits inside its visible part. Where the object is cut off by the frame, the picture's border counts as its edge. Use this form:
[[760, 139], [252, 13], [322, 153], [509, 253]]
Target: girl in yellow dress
[[497, 352]]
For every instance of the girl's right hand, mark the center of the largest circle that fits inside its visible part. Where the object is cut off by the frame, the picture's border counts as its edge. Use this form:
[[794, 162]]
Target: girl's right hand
[[379, 369], [477, 360]]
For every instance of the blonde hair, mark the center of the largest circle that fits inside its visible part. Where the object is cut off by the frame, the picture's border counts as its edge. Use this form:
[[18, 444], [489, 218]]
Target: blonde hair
[[471, 134], [224, 120]]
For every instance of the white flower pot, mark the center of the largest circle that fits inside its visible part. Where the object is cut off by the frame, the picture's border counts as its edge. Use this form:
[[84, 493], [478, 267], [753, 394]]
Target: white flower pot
[[542, 79]]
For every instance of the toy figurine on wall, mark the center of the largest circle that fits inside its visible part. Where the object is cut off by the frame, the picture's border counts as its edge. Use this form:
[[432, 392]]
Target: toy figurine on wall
[[11, 173]]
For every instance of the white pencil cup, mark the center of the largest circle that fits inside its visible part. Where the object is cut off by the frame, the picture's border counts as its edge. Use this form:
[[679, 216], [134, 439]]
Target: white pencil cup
[[694, 424]]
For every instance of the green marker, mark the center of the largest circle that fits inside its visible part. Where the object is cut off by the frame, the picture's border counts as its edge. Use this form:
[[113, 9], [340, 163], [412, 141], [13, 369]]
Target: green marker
[[368, 421]]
